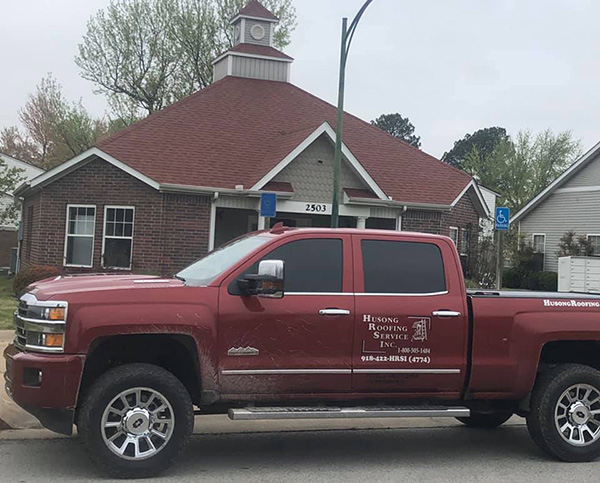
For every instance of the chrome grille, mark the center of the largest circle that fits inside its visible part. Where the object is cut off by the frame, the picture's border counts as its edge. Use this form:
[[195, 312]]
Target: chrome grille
[[31, 325], [20, 332], [22, 308]]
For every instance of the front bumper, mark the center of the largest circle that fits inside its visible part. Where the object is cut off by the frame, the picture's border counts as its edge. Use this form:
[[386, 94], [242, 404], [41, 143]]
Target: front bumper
[[51, 397]]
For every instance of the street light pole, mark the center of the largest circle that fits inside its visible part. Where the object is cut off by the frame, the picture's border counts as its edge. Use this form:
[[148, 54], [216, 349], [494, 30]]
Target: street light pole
[[347, 35]]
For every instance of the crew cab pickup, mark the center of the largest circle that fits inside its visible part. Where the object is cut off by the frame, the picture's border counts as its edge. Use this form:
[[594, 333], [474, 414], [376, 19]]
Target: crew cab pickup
[[303, 324]]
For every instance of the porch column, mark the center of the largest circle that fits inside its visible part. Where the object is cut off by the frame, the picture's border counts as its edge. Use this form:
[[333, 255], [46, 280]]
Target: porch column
[[262, 222], [361, 222]]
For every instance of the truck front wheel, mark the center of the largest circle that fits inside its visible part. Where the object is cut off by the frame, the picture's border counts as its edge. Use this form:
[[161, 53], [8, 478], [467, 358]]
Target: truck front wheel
[[486, 420], [565, 413], [135, 420]]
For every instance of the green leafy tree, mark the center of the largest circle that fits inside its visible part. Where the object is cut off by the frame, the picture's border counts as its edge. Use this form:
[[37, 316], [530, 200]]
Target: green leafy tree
[[154, 52], [399, 127], [520, 169], [485, 141]]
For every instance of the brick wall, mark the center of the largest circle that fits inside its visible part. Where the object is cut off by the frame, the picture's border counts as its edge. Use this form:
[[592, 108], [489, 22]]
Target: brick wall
[[422, 221], [186, 225], [169, 231], [463, 215]]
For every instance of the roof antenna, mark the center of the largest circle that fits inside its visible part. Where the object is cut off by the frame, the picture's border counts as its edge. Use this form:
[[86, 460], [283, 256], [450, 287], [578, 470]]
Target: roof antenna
[[279, 228]]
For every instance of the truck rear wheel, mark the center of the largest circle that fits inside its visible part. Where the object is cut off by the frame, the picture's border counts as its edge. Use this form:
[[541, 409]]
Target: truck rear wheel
[[565, 413], [135, 420], [486, 420]]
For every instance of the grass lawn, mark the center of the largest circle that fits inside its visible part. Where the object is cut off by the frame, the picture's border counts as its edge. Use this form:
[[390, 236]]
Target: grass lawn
[[8, 303]]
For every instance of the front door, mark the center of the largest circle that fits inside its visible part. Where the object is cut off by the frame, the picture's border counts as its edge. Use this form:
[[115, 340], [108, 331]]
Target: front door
[[411, 317], [301, 343]]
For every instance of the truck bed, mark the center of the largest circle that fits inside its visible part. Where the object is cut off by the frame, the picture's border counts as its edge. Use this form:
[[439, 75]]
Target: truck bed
[[510, 330]]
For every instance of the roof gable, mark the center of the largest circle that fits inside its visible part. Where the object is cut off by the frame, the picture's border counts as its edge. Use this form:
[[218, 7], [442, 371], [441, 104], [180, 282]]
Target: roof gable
[[311, 172], [323, 130], [255, 9], [75, 163], [592, 155], [236, 131]]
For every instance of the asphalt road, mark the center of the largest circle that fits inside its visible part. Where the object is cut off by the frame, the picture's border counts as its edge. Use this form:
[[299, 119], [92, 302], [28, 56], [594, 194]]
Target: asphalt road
[[432, 454]]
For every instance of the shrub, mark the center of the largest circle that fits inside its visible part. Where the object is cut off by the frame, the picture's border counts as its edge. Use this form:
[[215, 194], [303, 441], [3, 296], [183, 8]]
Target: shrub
[[470, 283], [26, 277], [511, 278], [531, 282], [548, 281]]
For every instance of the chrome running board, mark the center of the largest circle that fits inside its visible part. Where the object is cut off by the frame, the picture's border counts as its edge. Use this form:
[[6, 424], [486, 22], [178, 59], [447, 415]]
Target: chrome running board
[[252, 413]]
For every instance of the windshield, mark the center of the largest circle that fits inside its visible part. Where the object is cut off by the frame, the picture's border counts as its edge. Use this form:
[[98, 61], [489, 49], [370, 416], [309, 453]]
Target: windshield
[[207, 269]]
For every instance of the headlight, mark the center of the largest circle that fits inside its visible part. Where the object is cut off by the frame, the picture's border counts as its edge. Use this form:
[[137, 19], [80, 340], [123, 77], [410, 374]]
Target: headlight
[[40, 325]]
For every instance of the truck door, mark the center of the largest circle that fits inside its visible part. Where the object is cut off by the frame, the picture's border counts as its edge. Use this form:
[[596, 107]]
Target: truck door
[[301, 343], [411, 317]]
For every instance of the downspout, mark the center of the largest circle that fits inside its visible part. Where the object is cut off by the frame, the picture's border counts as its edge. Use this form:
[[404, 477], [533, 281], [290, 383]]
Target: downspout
[[400, 218], [213, 222], [19, 237]]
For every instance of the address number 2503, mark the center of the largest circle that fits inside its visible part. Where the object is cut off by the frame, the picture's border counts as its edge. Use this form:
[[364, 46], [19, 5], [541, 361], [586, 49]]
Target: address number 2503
[[312, 208]]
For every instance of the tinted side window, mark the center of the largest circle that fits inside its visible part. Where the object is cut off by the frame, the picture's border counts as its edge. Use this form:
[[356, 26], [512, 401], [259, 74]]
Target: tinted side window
[[402, 267], [312, 265]]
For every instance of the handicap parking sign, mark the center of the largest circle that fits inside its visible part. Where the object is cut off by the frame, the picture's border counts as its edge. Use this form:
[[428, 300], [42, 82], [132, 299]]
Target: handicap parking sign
[[268, 205], [502, 219]]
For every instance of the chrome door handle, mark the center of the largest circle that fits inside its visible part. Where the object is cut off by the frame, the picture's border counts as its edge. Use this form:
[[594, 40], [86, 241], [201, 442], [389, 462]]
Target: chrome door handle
[[334, 312], [446, 313]]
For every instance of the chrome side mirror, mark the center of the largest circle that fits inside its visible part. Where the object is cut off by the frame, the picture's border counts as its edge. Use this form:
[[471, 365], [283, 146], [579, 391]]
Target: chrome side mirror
[[268, 283], [271, 276]]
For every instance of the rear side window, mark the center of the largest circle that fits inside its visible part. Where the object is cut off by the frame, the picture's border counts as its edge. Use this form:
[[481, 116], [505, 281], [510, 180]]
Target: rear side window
[[311, 265], [402, 267]]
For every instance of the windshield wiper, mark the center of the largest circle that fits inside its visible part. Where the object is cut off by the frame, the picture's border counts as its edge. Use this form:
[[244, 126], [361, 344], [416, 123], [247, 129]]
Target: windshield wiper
[[179, 278]]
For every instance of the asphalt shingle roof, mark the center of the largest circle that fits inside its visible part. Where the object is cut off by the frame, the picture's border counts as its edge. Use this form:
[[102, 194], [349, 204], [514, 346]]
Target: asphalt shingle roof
[[236, 130], [256, 9]]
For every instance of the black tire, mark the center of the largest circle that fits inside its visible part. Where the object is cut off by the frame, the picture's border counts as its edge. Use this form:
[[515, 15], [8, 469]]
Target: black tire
[[544, 400], [110, 385], [486, 420]]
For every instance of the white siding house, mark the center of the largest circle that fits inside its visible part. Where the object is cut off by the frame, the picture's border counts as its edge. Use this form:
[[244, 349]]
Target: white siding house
[[570, 203]]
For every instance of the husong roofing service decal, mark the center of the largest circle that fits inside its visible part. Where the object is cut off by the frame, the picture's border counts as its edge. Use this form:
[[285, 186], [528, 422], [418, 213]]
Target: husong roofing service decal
[[570, 303]]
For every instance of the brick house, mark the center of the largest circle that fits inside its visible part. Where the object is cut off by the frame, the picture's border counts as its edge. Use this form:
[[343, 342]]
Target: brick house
[[187, 179]]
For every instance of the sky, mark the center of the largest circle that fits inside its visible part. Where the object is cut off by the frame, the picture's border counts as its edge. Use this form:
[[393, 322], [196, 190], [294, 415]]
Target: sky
[[451, 66]]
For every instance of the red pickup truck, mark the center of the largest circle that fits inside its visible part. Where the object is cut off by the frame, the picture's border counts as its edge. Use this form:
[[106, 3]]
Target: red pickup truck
[[302, 324]]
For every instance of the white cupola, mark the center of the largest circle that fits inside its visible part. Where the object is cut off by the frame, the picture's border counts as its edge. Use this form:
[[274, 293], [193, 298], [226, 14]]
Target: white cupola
[[253, 55]]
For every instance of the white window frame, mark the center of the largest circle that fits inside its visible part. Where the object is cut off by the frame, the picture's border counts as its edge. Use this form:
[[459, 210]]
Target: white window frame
[[116, 207], [463, 231], [588, 239], [92, 236], [450, 230], [533, 242]]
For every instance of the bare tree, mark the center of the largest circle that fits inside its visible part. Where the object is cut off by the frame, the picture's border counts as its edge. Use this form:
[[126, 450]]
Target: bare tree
[[155, 52]]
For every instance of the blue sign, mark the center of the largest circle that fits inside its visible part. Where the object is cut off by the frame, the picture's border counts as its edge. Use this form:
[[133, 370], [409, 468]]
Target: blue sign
[[502, 219], [268, 205]]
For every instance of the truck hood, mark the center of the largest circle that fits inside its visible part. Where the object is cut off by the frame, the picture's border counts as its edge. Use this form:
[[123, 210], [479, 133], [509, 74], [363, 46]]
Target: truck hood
[[57, 287]]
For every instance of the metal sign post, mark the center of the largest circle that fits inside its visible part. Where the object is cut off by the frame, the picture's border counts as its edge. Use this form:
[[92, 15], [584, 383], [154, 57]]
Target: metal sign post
[[502, 223]]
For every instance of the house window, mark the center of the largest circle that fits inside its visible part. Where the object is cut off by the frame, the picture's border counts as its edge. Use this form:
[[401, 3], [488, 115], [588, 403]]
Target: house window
[[539, 243], [464, 241], [594, 241], [79, 245], [117, 245], [454, 235]]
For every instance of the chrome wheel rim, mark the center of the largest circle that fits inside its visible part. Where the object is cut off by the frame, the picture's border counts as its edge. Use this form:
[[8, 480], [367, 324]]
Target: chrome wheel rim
[[138, 423], [577, 415]]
